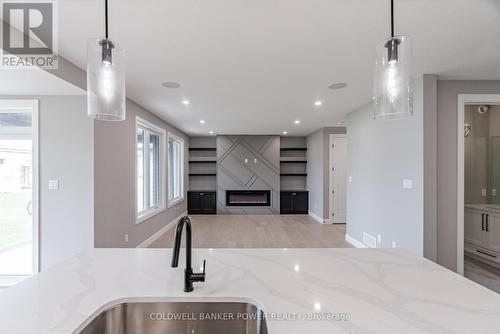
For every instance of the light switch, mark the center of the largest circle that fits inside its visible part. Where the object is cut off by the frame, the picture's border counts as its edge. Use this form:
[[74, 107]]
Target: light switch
[[246, 160], [53, 184], [350, 178], [407, 184], [484, 193]]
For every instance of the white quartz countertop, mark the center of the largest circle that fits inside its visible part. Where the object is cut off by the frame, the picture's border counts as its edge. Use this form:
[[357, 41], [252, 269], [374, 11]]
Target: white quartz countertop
[[382, 291], [484, 207]]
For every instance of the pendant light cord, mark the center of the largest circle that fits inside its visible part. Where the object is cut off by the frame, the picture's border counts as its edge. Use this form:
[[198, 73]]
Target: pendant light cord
[[392, 18], [106, 17]]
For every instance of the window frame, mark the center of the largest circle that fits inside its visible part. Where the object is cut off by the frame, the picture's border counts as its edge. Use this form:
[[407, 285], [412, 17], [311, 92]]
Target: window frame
[[177, 200], [150, 128]]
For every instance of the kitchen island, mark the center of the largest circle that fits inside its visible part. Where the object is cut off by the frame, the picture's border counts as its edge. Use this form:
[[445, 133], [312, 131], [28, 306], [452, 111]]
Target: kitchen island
[[370, 290]]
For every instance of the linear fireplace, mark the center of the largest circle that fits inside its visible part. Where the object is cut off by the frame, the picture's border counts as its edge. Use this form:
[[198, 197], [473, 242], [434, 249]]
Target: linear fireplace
[[248, 198]]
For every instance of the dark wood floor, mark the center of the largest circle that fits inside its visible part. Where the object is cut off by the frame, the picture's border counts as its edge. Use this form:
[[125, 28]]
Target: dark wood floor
[[482, 274]]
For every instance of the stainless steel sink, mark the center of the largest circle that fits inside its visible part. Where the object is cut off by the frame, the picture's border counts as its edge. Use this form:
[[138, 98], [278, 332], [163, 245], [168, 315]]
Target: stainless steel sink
[[179, 318]]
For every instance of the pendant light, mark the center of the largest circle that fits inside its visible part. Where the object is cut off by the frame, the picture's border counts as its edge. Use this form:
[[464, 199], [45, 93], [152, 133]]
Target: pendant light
[[105, 77], [393, 79]]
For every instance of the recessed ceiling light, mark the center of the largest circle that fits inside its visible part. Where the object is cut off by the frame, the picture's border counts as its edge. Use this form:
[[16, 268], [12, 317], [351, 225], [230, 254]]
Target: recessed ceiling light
[[211, 132], [171, 84], [338, 85], [284, 132], [296, 121], [318, 103], [202, 121], [185, 102]]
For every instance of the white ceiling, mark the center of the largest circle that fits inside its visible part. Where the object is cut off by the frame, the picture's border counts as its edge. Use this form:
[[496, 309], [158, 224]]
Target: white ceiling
[[254, 66]]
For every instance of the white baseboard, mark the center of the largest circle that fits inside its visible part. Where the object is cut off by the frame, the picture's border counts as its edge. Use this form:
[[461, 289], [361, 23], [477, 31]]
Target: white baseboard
[[316, 217], [354, 242], [319, 219], [160, 232]]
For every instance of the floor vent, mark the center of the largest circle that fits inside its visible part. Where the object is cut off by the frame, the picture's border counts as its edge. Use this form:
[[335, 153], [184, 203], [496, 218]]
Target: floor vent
[[369, 240]]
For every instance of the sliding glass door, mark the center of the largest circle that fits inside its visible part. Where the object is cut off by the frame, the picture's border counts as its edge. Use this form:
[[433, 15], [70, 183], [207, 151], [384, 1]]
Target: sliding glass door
[[18, 190]]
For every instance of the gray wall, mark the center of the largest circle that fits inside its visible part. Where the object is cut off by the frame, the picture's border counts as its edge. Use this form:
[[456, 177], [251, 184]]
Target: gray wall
[[447, 106], [429, 104], [315, 172], [476, 155], [114, 182], [380, 155], [114, 163], [318, 174], [234, 174], [479, 155], [66, 154]]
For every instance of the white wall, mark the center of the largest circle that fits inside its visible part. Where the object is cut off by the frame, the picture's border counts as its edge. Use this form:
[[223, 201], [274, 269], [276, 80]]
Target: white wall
[[380, 155], [66, 154]]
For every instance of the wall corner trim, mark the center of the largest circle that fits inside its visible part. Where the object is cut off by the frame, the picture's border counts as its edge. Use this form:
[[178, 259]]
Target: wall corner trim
[[354, 242], [160, 232]]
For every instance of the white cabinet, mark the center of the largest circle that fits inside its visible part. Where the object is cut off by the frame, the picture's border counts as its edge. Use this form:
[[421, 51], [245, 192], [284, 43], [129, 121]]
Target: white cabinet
[[482, 233], [474, 226], [493, 232]]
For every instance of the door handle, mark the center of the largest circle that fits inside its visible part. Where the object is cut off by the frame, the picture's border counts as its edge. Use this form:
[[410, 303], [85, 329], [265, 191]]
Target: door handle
[[29, 208], [487, 223], [482, 221]]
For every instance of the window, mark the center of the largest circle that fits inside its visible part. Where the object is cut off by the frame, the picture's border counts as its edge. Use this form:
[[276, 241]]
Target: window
[[150, 169], [175, 169], [25, 172]]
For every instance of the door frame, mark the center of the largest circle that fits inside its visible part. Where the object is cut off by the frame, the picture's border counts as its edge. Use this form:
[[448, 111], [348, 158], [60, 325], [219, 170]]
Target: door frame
[[33, 104], [332, 139], [463, 100]]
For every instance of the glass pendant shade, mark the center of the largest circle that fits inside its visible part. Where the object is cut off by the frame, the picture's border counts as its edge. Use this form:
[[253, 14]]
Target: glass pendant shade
[[393, 80], [105, 80]]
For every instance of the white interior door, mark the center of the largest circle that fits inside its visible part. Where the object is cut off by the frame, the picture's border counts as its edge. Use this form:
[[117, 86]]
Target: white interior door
[[18, 190], [338, 179]]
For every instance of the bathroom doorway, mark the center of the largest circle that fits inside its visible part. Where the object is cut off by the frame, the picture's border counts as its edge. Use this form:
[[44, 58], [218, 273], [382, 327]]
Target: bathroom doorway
[[478, 238]]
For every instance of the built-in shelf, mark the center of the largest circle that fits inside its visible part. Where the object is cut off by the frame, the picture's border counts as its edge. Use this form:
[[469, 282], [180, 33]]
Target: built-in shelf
[[201, 190], [203, 161], [293, 149], [293, 175], [202, 149], [202, 174]]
